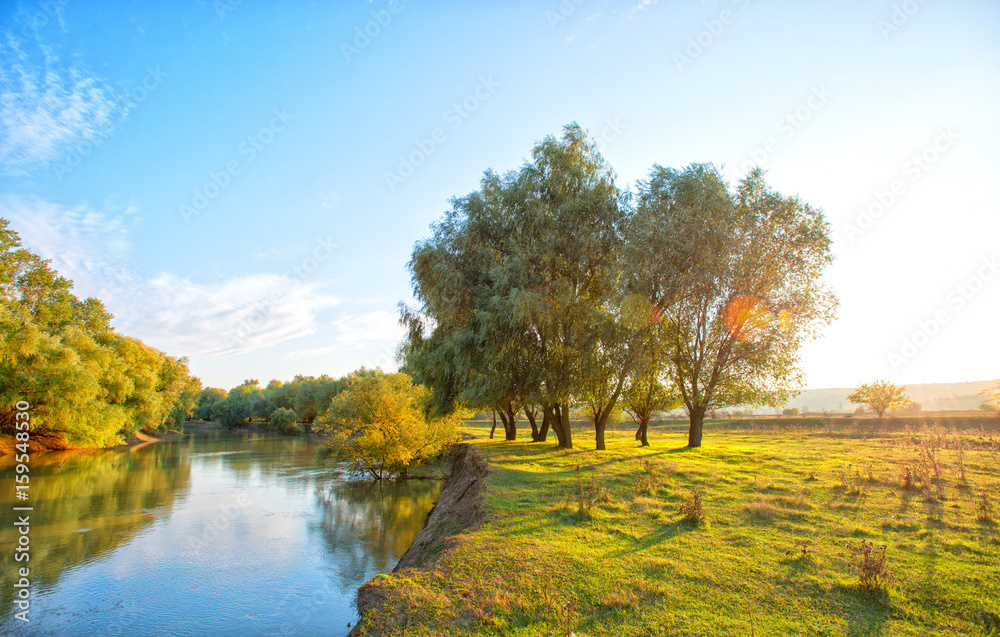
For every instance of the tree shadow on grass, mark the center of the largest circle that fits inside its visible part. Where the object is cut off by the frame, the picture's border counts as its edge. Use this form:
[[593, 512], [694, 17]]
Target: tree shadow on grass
[[684, 449], [868, 610], [665, 533]]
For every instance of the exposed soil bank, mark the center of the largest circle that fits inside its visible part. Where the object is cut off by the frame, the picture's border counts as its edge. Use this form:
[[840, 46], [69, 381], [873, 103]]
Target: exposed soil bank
[[42, 441], [147, 436], [459, 507]]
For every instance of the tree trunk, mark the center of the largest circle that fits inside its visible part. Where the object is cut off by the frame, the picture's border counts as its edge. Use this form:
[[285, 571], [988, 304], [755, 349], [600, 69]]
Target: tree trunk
[[494, 424], [553, 416], [599, 428], [509, 419], [530, 415], [543, 433], [640, 433], [697, 419], [566, 439]]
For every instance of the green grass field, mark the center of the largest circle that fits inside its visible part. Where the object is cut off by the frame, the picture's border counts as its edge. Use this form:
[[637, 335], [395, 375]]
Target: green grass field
[[770, 556]]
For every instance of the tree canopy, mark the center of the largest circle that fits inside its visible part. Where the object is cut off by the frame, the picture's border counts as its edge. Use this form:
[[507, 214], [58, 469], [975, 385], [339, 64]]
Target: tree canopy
[[540, 290], [84, 381], [734, 274], [880, 396], [381, 426]]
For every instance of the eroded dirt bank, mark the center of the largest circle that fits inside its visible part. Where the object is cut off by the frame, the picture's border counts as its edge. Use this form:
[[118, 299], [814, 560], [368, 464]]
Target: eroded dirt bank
[[458, 508], [43, 441]]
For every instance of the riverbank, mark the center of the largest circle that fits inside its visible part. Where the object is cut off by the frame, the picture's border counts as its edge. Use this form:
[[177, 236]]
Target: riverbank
[[593, 543], [459, 508], [41, 442]]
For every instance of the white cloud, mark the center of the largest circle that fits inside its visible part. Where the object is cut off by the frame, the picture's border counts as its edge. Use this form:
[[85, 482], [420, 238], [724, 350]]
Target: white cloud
[[380, 326], [171, 313], [48, 105], [642, 6], [368, 339], [223, 319], [87, 246]]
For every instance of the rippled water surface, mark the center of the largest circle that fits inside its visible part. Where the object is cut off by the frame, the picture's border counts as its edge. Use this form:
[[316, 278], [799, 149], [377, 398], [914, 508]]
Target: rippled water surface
[[210, 535]]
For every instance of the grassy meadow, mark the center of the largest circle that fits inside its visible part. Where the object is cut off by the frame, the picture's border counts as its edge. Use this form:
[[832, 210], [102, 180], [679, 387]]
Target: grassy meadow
[[593, 543]]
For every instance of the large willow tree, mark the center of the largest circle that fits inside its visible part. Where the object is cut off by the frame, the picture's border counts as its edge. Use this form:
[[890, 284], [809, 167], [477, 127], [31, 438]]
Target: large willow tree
[[736, 275], [518, 289]]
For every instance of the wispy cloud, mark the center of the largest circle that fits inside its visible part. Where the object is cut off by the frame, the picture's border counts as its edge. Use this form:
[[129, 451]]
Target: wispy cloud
[[642, 6], [88, 246], [49, 104], [172, 313], [371, 337], [380, 326], [206, 319]]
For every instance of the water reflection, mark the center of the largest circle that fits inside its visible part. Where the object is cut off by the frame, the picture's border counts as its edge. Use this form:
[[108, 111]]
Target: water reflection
[[233, 534], [367, 526], [88, 503]]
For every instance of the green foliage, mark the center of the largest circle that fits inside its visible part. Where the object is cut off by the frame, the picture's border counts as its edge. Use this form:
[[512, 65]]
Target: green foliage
[[543, 288], [381, 426], [284, 421], [649, 389], [207, 398], [519, 291], [85, 382], [237, 407], [734, 273], [880, 396]]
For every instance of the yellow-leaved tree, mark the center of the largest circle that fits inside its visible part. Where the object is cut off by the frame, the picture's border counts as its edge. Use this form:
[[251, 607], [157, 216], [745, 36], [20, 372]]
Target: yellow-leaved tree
[[380, 424]]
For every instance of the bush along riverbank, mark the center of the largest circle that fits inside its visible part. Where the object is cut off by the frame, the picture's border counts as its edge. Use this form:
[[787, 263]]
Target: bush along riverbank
[[779, 533]]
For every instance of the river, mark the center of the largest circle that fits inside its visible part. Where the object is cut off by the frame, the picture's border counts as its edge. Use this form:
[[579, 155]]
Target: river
[[214, 534]]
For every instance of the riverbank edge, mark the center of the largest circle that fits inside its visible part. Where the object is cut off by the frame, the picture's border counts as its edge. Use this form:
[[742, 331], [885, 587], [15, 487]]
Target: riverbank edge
[[42, 443], [460, 507]]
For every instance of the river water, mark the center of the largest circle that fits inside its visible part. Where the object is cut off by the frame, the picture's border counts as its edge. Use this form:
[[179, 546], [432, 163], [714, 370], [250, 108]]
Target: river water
[[215, 534]]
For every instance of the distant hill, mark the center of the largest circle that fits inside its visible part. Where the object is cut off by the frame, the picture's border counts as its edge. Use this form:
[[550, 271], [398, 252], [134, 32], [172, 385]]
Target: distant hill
[[931, 396]]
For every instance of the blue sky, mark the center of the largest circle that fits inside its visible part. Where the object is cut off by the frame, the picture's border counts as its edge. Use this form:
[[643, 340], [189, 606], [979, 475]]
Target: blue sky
[[242, 181]]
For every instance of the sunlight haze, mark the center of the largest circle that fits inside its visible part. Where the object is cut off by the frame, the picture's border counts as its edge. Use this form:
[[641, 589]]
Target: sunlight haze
[[242, 183]]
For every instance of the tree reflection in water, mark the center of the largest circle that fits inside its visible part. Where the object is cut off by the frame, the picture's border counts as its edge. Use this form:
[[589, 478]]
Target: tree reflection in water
[[87, 503], [368, 526]]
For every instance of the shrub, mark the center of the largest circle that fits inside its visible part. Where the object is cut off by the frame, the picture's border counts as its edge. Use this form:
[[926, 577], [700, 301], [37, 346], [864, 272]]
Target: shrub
[[283, 420], [870, 563], [691, 508], [381, 424], [984, 508]]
